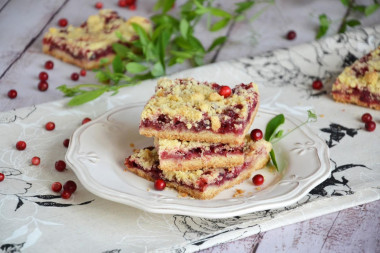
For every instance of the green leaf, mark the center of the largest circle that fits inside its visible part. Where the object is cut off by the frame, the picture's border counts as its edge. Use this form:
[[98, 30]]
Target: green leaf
[[68, 91], [359, 8], [219, 25], [102, 76], [345, 2], [117, 65], [218, 41], [86, 97], [243, 6], [353, 22], [184, 28], [324, 24], [181, 54], [220, 13], [143, 36], [134, 67], [370, 9], [120, 50], [273, 158], [272, 126], [158, 70]]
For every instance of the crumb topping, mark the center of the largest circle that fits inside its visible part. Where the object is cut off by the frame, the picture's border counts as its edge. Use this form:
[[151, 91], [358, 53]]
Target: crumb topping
[[364, 72], [174, 145], [97, 33], [190, 101]]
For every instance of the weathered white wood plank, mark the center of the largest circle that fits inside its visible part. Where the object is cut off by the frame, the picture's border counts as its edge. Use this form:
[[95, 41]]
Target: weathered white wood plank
[[20, 23], [355, 229]]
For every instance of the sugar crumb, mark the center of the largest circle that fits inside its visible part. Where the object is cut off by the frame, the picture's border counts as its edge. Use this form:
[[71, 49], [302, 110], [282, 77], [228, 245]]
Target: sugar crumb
[[238, 193]]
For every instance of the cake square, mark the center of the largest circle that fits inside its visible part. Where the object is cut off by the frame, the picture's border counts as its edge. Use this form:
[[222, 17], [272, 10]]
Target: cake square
[[84, 46], [185, 109], [191, 155], [203, 183], [360, 83]]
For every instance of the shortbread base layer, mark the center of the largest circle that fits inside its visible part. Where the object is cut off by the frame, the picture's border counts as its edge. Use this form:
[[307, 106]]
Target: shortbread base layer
[[352, 98], [82, 63], [214, 161], [202, 136]]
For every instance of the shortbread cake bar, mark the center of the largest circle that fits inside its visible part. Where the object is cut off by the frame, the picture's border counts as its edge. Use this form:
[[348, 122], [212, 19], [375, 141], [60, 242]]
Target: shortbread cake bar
[[84, 46], [191, 155], [203, 183], [360, 83], [185, 109]]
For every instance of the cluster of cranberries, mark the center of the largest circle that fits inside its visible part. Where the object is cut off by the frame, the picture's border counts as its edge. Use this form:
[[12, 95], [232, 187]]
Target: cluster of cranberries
[[370, 125], [131, 4], [68, 188]]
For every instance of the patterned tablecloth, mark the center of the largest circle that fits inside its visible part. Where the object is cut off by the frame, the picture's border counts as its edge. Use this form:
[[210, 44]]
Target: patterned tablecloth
[[33, 219]]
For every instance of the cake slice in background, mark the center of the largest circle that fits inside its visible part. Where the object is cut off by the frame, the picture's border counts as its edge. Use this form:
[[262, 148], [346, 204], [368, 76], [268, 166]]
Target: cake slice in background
[[360, 83], [84, 46]]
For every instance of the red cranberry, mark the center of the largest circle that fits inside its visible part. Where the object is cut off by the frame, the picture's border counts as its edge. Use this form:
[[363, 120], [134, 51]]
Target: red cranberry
[[132, 7], [43, 86], [370, 126], [122, 3], [366, 117], [65, 195], [159, 184], [258, 179], [66, 143], [49, 65], [83, 72], [74, 76], [36, 160], [85, 120], [291, 35], [130, 2], [70, 186], [225, 91], [12, 94], [60, 165], [21, 145], [317, 84], [2, 176], [256, 134], [43, 76], [99, 5], [56, 187], [50, 126], [62, 22]]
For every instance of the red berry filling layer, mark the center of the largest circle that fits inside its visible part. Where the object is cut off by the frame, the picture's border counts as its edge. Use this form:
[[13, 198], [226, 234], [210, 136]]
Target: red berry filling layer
[[217, 149]]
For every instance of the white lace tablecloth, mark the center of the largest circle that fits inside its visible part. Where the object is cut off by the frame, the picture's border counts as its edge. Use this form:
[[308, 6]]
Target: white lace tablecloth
[[34, 219]]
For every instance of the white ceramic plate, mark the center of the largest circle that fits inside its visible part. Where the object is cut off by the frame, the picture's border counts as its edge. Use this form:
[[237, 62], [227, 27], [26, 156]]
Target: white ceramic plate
[[98, 149]]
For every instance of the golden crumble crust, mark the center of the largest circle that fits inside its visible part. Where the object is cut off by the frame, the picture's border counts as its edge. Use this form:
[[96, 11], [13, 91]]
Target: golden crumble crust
[[96, 34], [195, 103], [360, 83]]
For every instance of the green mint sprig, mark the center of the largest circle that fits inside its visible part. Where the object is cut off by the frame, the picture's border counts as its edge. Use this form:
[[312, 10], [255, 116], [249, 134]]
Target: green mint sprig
[[172, 41], [274, 135], [351, 6]]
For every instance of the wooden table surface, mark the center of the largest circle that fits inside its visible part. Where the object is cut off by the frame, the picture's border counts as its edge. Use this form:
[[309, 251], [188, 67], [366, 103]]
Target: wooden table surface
[[23, 22]]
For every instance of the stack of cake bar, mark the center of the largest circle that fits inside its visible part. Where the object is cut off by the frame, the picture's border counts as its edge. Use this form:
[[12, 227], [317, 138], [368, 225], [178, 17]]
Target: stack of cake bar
[[201, 146]]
